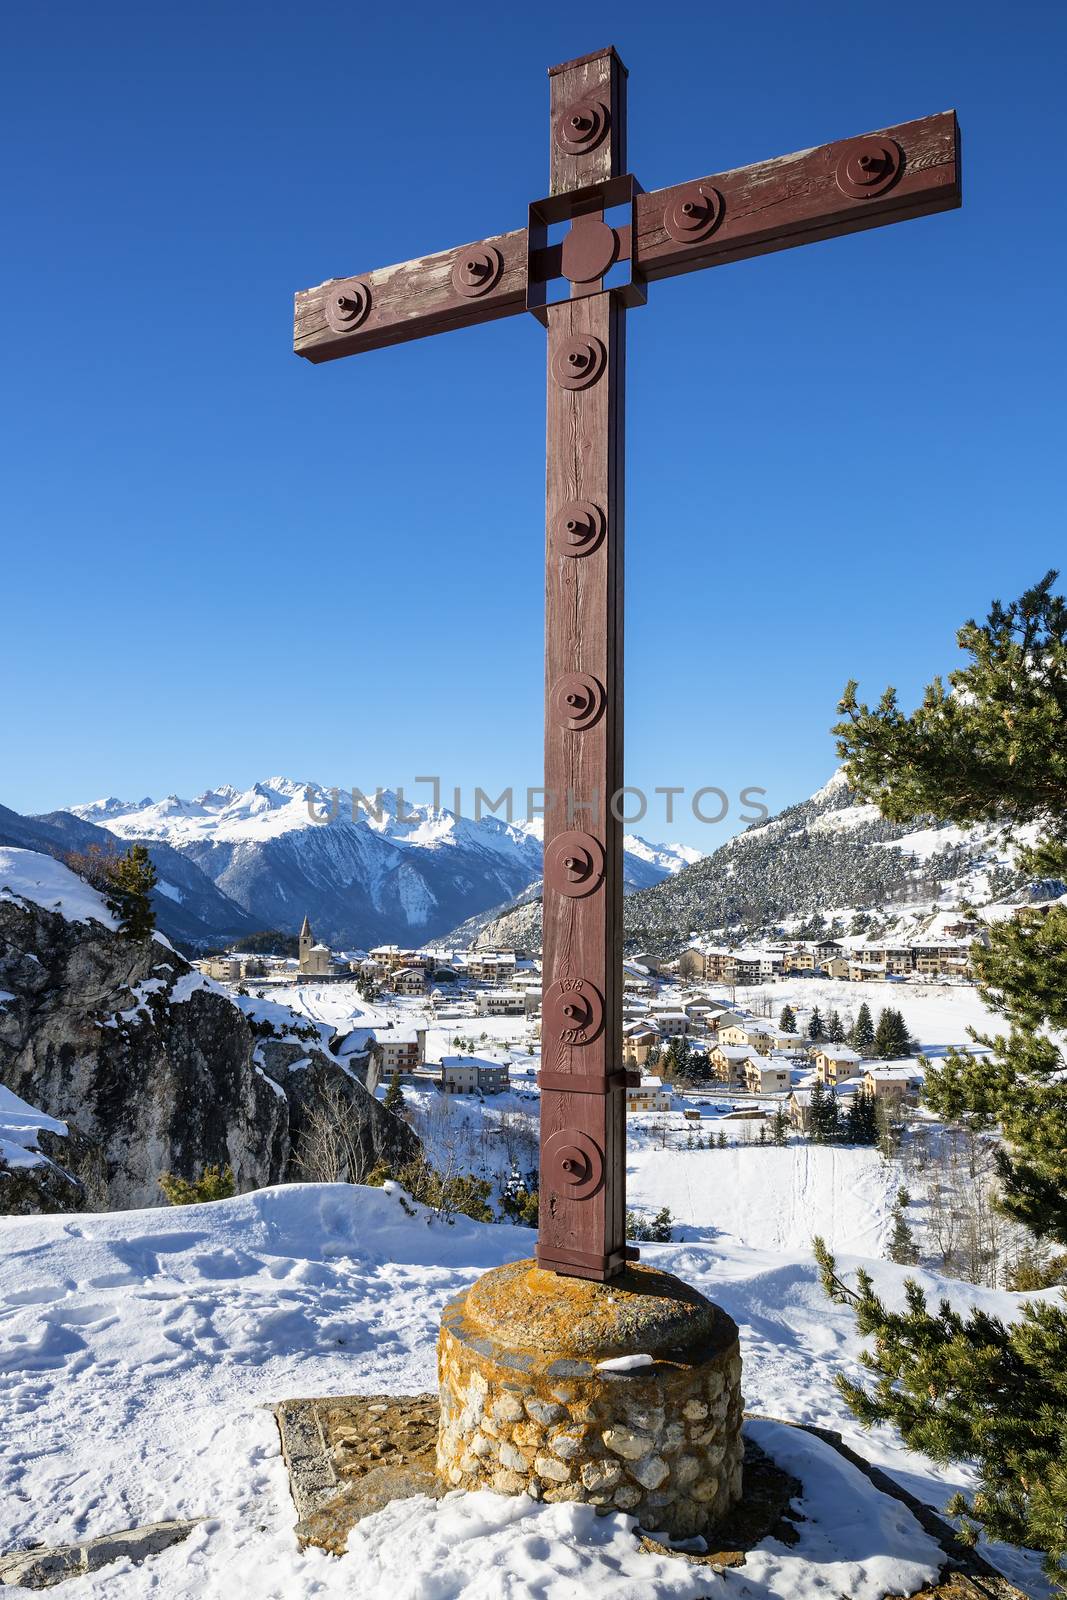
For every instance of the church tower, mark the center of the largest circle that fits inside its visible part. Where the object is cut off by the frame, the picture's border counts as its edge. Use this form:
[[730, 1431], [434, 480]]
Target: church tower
[[307, 939]]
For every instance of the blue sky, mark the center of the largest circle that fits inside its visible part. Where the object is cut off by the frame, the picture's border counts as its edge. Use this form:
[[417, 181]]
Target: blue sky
[[220, 562]]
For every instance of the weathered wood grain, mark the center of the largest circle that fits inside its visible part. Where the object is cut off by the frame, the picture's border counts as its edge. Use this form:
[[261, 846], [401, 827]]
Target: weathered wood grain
[[770, 205], [794, 200], [583, 770], [411, 300]]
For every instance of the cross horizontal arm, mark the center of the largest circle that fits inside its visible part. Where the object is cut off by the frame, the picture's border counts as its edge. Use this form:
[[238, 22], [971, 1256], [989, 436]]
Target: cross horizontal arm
[[797, 199], [771, 205], [416, 298]]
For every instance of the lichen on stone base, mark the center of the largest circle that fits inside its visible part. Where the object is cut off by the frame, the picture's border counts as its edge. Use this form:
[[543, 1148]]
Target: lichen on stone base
[[526, 1405]]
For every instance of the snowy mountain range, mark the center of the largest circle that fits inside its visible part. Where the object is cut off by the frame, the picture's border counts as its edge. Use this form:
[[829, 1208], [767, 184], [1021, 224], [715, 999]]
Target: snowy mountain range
[[832, 855], [387, 874]]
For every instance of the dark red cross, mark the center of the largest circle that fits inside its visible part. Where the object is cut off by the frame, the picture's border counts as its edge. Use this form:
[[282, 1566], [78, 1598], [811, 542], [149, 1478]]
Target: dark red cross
[[617, 232]]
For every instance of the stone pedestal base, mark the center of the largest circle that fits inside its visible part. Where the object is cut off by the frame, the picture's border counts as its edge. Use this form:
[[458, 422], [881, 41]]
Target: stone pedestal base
[[626, 1394]]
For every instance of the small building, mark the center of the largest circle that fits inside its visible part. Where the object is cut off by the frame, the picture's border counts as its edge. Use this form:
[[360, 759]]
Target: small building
[[409, 980], [649, 1095], [638, 1038], [767, 1075], [836, 1062], [894, 1081], [728, 1060], [400, 1050], [473, 1075], [502, 1003], [670, 1023]]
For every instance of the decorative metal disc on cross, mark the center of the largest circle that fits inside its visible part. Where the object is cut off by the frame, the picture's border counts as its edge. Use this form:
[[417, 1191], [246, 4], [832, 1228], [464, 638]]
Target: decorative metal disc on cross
[[908, 171]]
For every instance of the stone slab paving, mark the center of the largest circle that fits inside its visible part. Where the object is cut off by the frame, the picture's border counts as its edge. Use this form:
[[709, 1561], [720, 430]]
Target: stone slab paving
[[349, 1456]]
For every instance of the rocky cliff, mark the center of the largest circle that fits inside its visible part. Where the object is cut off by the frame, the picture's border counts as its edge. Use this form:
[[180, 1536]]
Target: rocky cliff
[[156, 1069]]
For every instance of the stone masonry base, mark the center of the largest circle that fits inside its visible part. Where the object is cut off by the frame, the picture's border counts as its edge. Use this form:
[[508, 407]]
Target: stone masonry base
[[626, 1395]]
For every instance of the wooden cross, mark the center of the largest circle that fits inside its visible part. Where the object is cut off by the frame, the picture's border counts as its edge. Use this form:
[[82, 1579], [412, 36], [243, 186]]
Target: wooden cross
[[619, 240]]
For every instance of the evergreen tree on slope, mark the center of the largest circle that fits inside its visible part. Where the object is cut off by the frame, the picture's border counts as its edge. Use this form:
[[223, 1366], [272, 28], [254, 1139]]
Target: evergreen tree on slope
[[992, 749]]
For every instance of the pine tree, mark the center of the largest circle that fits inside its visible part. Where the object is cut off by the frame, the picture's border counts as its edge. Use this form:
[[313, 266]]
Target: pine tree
[[815, 1027], [835, 1029], [863, 1030], [394, 1095], [860, 1124], [780, 1128], [126, 882], [992, 749], [891, 1036], [788, 1020], [823, 1113], [722, 1139], [901, 1247]]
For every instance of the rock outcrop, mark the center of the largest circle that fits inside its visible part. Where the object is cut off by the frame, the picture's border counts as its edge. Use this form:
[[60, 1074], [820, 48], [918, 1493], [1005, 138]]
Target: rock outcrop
[[156, 1069]]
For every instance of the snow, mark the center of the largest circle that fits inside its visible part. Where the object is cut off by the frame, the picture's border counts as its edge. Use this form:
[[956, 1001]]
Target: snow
[[19, 1126], [140, 1350], [767, 1198], [937, 1014], [27, 875], [277, 805], [625, 1363]]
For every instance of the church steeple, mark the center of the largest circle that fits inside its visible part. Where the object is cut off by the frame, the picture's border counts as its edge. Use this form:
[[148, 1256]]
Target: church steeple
[[307, 939]]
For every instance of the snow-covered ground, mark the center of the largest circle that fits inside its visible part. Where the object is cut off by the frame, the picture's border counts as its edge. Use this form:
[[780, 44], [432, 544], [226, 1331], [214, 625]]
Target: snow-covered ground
[[938, 1014], [139, 1350]]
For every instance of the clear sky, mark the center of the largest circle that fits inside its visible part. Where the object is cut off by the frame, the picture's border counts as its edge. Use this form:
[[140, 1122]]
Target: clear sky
[[221, 562]]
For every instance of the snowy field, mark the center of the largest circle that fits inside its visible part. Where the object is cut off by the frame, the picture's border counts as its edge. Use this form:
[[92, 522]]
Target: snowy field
[[938, 1014], [139, 1350]]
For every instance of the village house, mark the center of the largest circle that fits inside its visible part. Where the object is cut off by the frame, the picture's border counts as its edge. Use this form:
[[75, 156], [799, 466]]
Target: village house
[[767, 1074], [400, 1049], [728, 1062], [865, 972], [638, 1038], [491, 966], [502, 1003], [691, 964], [800, 960], [894, 1081], [836, 967], [836, 1062], [408, 980], [472, 1075], [786, 1043], [649, 1095], [669, 1021]]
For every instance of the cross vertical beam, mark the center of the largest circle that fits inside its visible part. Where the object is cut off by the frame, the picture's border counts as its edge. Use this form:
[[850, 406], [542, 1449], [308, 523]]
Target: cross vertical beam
[[582, 1218]]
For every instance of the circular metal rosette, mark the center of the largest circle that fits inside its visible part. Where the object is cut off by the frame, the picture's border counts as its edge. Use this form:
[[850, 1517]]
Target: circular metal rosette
[[572, 1164], [867, 167], [577, 701], [574, 864], [476, 270], [694, 213], [347, 304], [574, 1011], [579, 527], [588, 250], [582, 126], [578, 362]]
